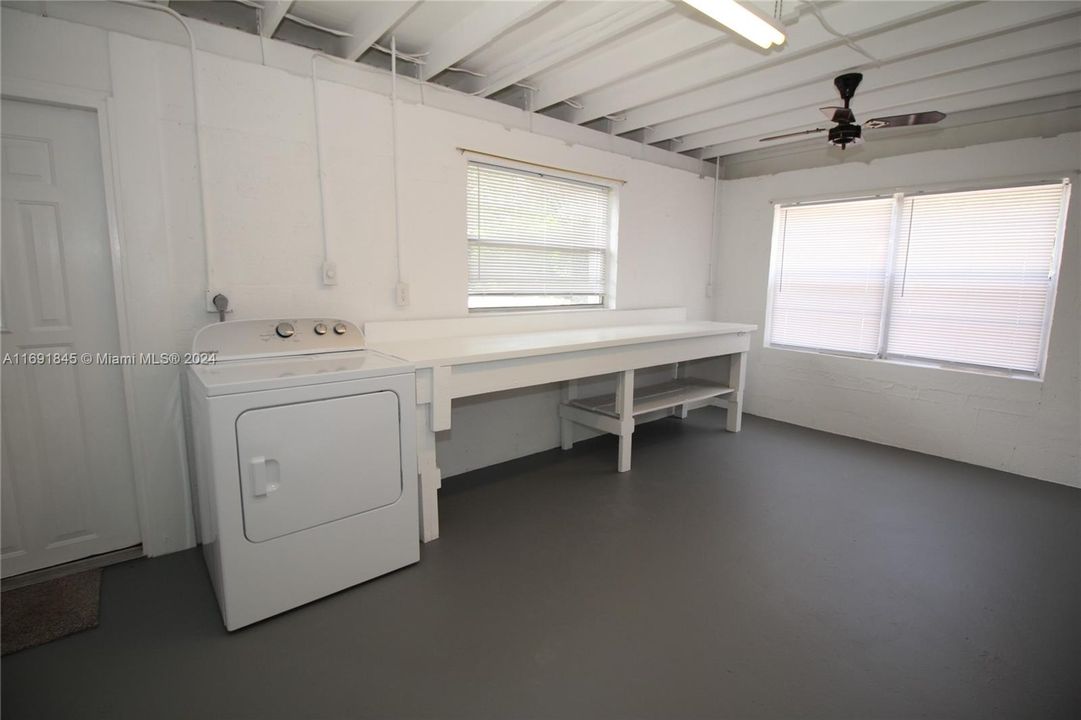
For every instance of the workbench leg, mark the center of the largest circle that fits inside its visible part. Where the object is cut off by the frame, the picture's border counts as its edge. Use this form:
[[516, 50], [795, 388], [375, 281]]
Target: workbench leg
[[679, 372], [568, 392], [429, 478], [625, 452], [625, 410], [737, 376]]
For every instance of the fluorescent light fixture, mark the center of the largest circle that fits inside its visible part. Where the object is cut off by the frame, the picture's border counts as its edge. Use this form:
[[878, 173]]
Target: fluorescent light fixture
[[741, 20]]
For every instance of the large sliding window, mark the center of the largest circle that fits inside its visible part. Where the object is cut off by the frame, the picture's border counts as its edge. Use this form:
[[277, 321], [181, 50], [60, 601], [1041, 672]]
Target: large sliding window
[[958, 278], [536, 239]]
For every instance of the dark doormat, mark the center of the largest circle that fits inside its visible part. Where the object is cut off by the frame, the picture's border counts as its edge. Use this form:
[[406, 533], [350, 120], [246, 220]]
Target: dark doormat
[[45, 611]]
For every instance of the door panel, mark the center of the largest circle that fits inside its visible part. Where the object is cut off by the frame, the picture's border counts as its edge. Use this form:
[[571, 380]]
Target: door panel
[[47, 287], [311, 463], [51, 406], [11, 543], [68, 487], [27, 159]]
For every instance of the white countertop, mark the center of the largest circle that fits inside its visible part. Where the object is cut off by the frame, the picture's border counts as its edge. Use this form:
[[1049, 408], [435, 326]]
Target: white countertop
[[485, 348]]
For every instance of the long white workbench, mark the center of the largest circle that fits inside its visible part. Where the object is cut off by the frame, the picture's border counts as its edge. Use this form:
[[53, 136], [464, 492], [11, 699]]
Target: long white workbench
[[473, 356]]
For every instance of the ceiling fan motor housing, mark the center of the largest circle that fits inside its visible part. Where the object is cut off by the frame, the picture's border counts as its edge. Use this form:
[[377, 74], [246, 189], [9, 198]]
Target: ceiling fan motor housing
[[845, 134], [846, 85]]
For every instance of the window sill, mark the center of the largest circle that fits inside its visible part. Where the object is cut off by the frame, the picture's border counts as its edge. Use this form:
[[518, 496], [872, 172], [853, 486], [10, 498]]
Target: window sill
[[539, 310], [914, 363]]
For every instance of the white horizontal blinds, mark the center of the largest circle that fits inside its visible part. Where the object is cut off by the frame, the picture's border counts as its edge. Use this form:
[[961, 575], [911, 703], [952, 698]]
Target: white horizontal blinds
[[536, 235], [972, 276], [830, 282]]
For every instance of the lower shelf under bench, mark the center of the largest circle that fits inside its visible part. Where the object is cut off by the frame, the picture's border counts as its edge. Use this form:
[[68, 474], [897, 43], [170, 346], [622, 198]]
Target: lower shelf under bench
[[651, 398], [604, 412], [616, 413]]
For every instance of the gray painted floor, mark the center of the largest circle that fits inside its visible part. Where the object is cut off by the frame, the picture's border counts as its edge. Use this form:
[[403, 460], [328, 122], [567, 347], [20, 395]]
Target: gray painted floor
[[778, 573]]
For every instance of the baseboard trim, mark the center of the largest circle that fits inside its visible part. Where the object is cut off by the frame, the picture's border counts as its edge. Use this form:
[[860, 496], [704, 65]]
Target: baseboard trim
[[70, 568]]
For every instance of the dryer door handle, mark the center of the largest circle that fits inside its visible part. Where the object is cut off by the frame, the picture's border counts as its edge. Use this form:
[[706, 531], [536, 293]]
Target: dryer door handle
[[264, 475]]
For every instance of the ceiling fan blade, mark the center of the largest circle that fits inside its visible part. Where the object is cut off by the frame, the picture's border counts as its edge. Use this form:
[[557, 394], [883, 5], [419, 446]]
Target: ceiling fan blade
[[839, 114], [792, 134], [920, 118]]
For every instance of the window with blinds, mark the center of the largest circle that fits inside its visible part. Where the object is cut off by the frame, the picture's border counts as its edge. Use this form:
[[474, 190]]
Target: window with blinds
[[831, 282], [958, 278], [536, 240]]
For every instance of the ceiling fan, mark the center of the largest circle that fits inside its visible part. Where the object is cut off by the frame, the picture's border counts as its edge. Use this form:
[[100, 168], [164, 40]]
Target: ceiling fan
[[846, 131]]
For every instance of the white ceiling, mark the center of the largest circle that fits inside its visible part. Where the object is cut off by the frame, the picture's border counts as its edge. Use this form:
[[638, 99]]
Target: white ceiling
[[660, 73]]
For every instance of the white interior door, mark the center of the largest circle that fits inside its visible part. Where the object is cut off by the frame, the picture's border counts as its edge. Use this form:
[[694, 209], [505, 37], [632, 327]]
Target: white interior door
[[67, 478]]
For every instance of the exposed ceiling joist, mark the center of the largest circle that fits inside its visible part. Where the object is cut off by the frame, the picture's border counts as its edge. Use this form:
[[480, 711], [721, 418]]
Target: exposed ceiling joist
[[592, 26], [666, 77], [1069, 82], [870, 101], [1048, 116], [639, 50], [774, 82], [271, 15], [810, 48], [924, 65], [372, 20], [476, 30]]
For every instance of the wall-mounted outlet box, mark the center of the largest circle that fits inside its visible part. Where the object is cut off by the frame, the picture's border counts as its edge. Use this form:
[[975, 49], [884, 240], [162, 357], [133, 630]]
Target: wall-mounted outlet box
[[210, 295], [401, 294], [330, 273]]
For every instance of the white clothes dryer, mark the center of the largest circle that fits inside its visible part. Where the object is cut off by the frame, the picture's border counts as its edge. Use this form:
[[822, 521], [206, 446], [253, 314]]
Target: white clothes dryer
[[305, 453]]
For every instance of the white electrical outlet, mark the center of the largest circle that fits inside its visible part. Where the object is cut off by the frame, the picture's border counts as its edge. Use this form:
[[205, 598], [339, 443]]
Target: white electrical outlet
[[709, 289], [401, 294], [330, 273]]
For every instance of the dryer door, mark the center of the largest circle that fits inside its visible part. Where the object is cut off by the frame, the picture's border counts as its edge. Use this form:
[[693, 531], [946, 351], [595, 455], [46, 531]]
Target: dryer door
[[312, 463]]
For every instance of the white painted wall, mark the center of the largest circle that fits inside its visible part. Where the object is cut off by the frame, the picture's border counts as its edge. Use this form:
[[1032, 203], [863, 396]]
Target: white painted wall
[[1022, 426], [264, 217]]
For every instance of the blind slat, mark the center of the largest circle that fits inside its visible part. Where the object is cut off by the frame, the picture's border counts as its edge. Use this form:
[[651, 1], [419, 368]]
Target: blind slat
[[535, 235]]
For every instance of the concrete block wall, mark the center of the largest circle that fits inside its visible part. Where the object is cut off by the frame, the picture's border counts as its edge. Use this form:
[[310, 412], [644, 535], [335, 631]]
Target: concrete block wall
[[264, 218], [1023, 426]]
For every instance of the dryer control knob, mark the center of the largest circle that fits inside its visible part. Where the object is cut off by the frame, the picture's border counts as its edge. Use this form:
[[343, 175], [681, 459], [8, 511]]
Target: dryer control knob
[[320, 329], [339, 328], [284, 330]]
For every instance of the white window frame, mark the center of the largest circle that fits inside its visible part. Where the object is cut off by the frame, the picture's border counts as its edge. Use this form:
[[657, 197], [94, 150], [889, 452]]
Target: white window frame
[[899, 194], [613, 185]]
